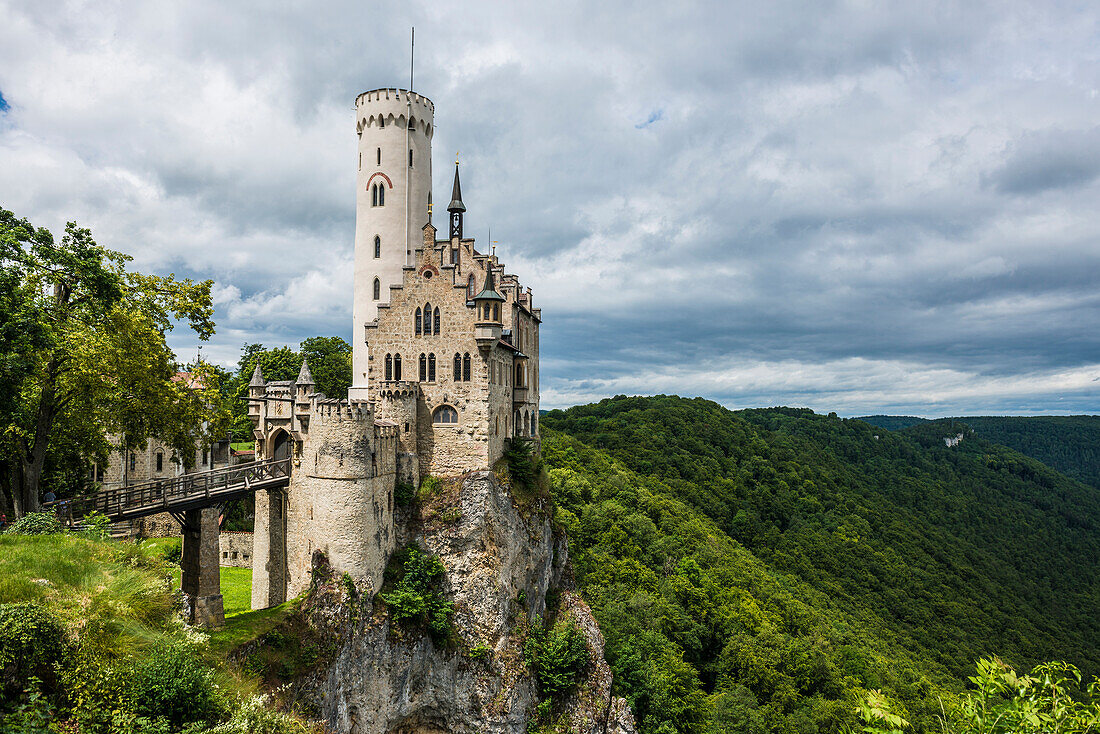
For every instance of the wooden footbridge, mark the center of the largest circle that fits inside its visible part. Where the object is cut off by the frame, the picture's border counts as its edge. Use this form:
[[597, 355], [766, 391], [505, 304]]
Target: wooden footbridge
[[196, 501], [177, 495]]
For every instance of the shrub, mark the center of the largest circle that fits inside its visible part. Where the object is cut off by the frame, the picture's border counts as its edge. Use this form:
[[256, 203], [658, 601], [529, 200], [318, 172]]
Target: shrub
[[480, 651], [556, 656], [429, 487], [254, 716], [403, 494], [31, 646], [96, 525], [172, 682], [35, 523], [416, 600], [523, 465]]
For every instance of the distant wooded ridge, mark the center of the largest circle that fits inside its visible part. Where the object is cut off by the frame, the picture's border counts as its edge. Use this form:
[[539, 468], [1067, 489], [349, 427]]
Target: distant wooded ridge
[[1068, 443]]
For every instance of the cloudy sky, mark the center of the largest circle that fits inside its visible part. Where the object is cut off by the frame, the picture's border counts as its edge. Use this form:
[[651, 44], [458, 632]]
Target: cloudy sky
[[860, 207]]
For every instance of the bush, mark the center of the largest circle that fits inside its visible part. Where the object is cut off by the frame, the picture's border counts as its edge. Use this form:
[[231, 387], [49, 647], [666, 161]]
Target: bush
[[416, 600], [403, 494], [429, 487], [523, 465], [35, 523], [31, 646], [96, 525], [173, 683], [556, 656]]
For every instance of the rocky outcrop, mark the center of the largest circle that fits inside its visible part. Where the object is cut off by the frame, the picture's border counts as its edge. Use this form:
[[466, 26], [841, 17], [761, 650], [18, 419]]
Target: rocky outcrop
[[501, 561]]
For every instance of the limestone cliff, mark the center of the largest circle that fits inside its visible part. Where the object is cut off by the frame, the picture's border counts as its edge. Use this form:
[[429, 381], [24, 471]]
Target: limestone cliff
[[503, 560]]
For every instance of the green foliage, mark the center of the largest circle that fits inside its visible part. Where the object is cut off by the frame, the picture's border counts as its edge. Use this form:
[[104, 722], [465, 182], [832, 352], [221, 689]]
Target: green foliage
[[96, 525], [31, 646], [403, 494], [414, 594], [329, 359], [84, 356], [556, 656], [760, 571], [429, 487], [480, 651], [519, 453], [171, 682], [35, 523], [877, 717]]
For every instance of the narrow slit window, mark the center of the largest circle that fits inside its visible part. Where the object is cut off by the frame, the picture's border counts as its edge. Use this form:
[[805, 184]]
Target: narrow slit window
[[423, 367], [379, 156], [377, 246], [458, 367], [418, 324], [435, 320], [389, 367], [377, 289], [397, 367], [466, 367], [381, 195], [431, 367]]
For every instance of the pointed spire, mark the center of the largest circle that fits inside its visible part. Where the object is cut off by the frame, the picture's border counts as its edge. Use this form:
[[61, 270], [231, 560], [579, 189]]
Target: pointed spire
[[489, 291], [456, 204], [257, 377], [304, 378]]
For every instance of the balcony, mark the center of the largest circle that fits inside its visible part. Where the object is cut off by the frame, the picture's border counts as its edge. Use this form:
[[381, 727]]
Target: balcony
[[519, 395]]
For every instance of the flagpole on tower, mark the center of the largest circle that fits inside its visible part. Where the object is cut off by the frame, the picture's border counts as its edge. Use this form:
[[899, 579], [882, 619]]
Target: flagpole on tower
[[408, 154]]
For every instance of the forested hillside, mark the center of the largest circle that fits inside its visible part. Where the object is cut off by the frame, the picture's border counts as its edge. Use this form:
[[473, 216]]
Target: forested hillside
[[756, 568], [1068, 443]]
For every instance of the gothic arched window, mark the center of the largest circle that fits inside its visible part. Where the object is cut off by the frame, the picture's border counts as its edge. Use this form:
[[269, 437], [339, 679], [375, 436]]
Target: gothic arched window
[[389, 367], [431, 367], [435, 320], [377, 289], [458, 367], [427, 318], [527, 424], [397, 366], [417, 322], [377, 246], [470, 288], [374, 195], [445, 415], [466, 367], [423, 367], [381, 194], [381, 123], [496, 312]]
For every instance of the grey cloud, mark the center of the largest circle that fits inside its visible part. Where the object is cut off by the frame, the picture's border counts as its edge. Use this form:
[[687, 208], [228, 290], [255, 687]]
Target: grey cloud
[[1049, 159], [835, 200]]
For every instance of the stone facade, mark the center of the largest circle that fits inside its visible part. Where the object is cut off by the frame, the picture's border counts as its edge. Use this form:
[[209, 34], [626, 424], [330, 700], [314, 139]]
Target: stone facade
[[445, 370], [236, 549]]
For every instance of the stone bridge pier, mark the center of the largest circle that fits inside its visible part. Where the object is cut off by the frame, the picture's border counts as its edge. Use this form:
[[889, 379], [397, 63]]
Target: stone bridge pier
[[201, 567]]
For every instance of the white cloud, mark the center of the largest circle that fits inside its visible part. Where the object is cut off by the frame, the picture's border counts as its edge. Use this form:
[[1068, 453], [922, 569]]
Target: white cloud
[[877, 203]]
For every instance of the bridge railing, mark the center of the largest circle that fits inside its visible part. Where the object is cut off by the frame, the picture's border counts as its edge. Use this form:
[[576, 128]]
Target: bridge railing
[[170, 493]]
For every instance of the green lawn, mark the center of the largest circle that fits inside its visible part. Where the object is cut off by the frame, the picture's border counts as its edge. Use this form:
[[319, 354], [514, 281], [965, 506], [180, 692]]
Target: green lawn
[[236, 589]]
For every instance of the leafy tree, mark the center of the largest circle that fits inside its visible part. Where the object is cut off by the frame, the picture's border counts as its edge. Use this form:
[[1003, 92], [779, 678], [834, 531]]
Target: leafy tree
[[415, 598], [84, 353], [329, 359]]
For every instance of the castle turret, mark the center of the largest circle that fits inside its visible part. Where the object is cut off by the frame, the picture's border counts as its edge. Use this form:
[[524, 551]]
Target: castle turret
[[393, 186], [487, 328]]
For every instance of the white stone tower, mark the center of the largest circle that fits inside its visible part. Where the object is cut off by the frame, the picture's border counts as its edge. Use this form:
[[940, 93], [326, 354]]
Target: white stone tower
[[392, 194]]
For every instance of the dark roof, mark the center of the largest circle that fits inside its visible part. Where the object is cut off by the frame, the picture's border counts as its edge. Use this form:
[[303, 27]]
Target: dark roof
[[456, 204], [489, 291]]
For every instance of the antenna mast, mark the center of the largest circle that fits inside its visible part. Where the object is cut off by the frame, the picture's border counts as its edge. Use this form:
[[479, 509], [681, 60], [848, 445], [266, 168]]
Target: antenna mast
[[408, 117]]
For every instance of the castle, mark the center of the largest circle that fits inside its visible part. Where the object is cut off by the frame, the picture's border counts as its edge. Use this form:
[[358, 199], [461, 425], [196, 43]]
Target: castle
[[445, 354]]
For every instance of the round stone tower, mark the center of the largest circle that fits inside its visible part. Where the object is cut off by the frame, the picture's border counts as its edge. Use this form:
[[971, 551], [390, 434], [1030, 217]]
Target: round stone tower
[[392, 193]]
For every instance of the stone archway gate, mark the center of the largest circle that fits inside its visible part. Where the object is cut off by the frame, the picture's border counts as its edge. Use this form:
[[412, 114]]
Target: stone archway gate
[[195, 501]]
